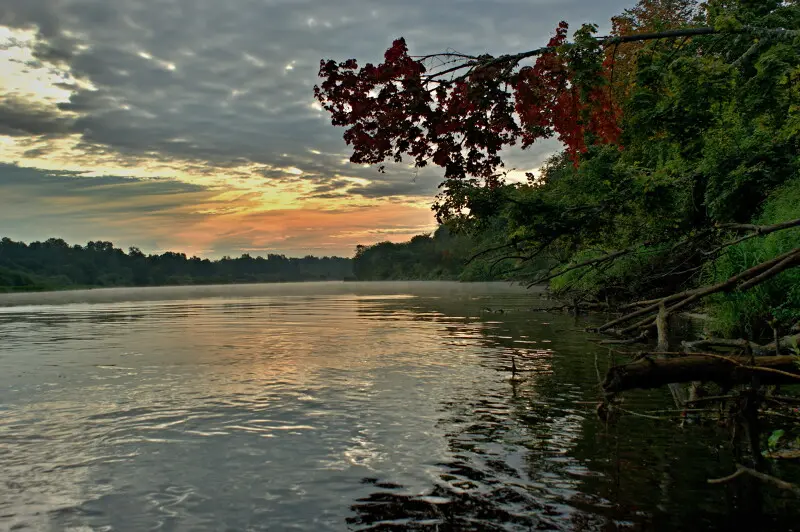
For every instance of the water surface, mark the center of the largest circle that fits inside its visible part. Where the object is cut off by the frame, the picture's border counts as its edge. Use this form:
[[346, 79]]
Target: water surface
[[334, 406]]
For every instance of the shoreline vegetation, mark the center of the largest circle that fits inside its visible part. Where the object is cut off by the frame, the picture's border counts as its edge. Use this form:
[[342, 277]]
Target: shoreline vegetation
[[678, 189]]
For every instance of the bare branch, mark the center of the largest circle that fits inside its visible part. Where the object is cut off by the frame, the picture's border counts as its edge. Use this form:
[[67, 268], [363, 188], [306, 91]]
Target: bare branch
[[764, 271], [757, 230], [591, 262], [487, 251], [514, 59]]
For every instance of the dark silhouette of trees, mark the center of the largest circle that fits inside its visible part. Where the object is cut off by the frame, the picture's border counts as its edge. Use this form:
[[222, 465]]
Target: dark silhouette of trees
[[54, 264]]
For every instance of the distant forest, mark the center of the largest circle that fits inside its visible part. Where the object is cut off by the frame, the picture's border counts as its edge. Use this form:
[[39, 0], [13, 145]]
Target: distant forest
[[54, 265]]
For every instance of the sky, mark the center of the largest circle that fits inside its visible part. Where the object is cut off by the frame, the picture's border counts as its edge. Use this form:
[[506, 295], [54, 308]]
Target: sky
[[190, 125]]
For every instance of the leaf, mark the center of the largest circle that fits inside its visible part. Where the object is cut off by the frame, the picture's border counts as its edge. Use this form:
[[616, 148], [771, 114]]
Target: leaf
[[774, 438]]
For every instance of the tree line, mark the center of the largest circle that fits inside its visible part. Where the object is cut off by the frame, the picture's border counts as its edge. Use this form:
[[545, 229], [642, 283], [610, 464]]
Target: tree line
[[54, 264]]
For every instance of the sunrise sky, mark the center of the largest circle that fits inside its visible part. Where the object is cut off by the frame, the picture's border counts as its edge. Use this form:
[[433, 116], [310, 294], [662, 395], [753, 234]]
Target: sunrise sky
[[190, 125]]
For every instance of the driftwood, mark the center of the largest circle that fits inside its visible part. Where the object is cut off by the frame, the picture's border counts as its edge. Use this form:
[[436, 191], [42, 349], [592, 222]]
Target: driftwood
[[654, 372]]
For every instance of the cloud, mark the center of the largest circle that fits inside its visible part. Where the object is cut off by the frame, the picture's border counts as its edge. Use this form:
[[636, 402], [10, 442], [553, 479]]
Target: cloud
[[129, 211], [23, 118], [212, 88], [379, 189], [208, 79]]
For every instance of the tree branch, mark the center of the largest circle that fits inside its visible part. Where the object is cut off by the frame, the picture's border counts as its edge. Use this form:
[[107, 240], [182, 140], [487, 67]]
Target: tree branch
[[762, 272], [757, 230], [772, 267], [590, 262], [513, 59]]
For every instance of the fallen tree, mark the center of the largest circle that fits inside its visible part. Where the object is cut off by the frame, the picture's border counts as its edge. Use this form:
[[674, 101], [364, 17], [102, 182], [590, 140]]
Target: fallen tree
[[651, 372]]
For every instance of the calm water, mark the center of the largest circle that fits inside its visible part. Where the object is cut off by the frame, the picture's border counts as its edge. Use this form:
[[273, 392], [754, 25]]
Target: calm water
[[335, 406]]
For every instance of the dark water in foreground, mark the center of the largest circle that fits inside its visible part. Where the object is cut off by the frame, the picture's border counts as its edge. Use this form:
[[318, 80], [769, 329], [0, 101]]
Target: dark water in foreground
[[381, 406]]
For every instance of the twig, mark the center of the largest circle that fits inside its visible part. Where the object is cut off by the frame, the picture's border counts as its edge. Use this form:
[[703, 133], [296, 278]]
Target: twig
[[773, 370], [641, 338], [681, 410], [631, 412], [778, 414], [783, 399], [736, 474], [591, 262]]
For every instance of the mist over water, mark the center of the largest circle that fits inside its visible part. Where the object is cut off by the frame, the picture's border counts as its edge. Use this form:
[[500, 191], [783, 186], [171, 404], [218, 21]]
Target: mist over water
[[330, 406]]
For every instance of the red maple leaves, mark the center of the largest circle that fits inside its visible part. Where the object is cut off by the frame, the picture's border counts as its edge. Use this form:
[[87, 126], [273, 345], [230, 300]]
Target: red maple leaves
[[462, 123]]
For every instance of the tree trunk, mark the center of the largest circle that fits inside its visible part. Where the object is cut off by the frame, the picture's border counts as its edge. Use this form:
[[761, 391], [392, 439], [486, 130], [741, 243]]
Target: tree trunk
[[657, 372]]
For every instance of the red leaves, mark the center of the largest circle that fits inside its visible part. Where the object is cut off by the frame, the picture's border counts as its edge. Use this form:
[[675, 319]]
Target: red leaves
[[397, 51], [394, 109], [549, 101]]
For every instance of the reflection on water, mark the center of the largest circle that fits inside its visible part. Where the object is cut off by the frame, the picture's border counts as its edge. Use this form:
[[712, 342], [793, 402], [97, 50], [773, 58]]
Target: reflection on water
[[333, 406]]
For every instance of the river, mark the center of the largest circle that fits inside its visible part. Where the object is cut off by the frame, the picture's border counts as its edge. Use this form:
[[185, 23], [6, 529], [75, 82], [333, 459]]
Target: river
[[336, 406]]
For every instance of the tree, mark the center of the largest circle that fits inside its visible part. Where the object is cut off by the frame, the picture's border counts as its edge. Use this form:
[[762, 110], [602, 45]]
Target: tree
[[697, 130], [459, 111], [679, 183]]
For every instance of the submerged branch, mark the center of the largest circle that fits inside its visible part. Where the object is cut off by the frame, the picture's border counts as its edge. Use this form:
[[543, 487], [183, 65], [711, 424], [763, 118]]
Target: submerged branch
[[742, 470], [757, 349]]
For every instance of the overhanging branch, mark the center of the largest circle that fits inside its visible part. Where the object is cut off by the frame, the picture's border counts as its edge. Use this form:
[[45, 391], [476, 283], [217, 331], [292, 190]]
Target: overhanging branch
[[513, 59]]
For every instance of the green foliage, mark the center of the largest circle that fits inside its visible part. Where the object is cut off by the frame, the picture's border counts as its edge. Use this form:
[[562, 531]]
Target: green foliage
[[775, 438], [776, 301], [55, 265], [443, 255], [621, 277], [711, 134]]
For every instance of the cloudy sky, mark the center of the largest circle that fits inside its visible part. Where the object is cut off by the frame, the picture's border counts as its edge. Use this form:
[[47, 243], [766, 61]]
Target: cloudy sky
[[190, 125]]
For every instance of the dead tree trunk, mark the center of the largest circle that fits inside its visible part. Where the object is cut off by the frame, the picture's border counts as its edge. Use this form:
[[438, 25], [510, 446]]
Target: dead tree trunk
[[651, 372], [662, 329]]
